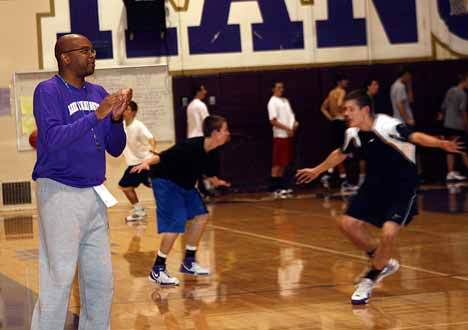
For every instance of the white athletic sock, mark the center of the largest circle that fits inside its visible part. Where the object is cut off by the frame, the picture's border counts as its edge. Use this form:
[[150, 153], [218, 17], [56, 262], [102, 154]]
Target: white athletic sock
[[137, 207], [162, 255], [191, 248]]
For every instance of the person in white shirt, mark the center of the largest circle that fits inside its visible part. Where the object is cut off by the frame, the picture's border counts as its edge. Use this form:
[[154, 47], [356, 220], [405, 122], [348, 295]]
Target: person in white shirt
[[197, 112], [284, 125], [140, 146]]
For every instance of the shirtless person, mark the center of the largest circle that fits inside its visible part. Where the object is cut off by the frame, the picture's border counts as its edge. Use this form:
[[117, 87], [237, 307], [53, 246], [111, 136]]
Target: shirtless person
[[332, 108]]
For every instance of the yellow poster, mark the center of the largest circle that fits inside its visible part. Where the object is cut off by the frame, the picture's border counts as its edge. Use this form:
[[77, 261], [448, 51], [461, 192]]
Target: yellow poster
[[28, 123]]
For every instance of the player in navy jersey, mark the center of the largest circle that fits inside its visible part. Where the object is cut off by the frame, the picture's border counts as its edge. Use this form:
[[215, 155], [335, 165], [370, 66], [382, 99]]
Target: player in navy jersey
[[386, 199]]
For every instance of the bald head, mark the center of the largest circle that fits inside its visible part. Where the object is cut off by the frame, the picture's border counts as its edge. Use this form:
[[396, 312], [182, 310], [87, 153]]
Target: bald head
[[75, 56], [68, 42]]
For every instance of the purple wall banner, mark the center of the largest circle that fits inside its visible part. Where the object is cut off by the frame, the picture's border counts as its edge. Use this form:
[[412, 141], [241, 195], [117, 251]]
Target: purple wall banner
[[5, 108]]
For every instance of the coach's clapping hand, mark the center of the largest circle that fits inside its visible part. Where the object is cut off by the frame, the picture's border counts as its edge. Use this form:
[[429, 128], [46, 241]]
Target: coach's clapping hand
[[124, 96], [115, 103], [106, 106]]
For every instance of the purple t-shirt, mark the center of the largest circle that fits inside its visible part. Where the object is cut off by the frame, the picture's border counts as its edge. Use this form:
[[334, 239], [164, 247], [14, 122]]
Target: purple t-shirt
[[71, 140]]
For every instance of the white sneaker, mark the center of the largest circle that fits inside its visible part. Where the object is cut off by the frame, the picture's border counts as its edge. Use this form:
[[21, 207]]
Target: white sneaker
[[390, 268], [194, 269], [140, 212], [325, 181], [348, 188], [363, 292], [455, 176], [162, 277], [280, 193]]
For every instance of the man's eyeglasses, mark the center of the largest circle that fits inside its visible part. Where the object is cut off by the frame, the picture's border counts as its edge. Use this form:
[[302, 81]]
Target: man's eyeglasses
[[84, 50]]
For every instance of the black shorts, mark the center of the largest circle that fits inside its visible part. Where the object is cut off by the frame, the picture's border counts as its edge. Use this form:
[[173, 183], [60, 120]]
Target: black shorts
[[134, 179], [377, 204], [338, 129]]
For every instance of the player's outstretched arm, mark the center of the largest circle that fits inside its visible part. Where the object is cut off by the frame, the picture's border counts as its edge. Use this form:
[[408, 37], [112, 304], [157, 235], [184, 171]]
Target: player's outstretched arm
[[145, 165], [217, 182], [433, 142], [306, 175]]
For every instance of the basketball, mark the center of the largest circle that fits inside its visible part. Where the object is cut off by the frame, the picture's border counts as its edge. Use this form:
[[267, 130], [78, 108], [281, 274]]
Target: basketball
[[33, 139]]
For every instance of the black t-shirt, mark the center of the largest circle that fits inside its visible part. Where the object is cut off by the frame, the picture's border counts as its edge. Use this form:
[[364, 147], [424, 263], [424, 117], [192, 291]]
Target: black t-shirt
[[185, 162], [390, 158]]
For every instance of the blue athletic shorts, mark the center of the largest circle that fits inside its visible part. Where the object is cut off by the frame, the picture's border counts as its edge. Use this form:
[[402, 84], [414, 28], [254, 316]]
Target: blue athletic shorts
[[175, 205]]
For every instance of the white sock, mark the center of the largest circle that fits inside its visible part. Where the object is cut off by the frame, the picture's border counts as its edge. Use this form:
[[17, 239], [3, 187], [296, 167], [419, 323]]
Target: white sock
[[162, 255], [137, 206], [191, 248], [362, 177]]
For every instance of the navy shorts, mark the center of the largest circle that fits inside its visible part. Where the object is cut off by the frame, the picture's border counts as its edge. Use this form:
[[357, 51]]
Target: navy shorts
[[175, 205], [134, 179], [377, 204]]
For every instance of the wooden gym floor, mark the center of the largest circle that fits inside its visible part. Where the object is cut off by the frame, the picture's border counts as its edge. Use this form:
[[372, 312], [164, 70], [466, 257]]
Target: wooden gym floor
[[277, 264]]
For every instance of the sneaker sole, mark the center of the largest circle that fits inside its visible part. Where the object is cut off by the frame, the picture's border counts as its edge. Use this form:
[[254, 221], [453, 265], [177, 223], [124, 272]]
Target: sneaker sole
[[163, 284], [360, 302], [135, 220]]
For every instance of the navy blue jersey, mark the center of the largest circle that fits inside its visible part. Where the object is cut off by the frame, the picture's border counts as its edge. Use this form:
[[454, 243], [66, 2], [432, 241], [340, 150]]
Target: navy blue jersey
[[389, 156]]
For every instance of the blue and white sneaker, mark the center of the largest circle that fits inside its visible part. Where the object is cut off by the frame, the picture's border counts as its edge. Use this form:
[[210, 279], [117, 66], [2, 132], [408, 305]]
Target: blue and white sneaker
[[193, 269], [390, 268], [363, 292], [162, 277], [325, 180]]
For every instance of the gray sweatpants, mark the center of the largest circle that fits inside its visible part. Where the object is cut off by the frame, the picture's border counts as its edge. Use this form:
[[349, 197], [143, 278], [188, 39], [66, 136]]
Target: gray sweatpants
[[73, 229]]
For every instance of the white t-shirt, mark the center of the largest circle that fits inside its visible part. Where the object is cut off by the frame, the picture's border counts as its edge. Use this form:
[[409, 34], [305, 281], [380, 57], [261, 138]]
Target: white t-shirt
[[398, 94], [280, 109], [138, 147], [196, 113]]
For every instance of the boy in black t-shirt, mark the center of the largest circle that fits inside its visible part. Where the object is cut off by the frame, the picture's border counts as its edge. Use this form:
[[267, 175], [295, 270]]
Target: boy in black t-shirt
[[386, 199], [174, 174]]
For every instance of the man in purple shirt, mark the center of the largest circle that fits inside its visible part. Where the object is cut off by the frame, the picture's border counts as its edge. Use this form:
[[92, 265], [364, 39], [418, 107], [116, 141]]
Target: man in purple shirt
[[77, 123]]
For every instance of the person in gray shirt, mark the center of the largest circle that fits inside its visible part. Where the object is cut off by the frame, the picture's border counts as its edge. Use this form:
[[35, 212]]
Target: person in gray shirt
[[401, 97], [455, 117]]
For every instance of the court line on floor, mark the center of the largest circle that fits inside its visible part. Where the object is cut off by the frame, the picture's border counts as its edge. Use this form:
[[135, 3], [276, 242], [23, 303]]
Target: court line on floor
[[322, 249], [430, 325]]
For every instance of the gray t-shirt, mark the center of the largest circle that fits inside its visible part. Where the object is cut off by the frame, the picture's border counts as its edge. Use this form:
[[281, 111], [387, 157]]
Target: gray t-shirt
[[454, 107], [398, 94]]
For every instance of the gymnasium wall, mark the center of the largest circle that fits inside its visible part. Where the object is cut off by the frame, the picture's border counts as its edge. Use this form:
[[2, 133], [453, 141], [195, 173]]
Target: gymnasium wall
[[235, 34], [212, 36], [242, 98]]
